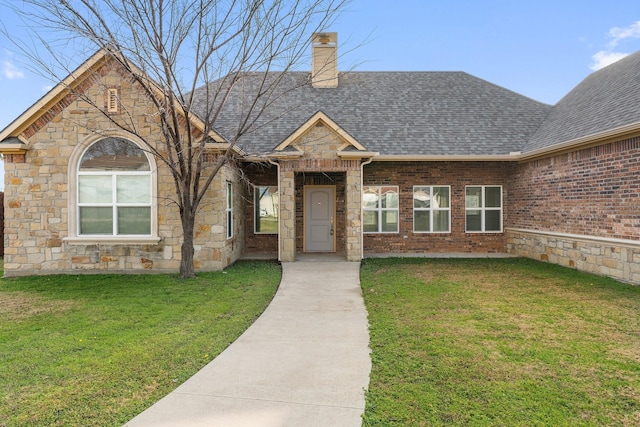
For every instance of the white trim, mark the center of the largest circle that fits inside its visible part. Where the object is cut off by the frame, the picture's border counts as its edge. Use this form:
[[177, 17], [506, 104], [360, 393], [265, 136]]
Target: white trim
[[53, 96], [73, 80], [580, 237], [380, 209], [13, 148], [577, 143], [447, 158], [257, 206], [430, 209], [72, 193], [356, 154], [111, 240], [325, 120], [483, 208]]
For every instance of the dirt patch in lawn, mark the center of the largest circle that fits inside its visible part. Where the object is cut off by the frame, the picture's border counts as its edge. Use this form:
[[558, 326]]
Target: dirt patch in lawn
[[22, 305]]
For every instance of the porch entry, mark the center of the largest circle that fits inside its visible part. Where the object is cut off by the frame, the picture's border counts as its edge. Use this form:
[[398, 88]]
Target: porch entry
[[319, 218]]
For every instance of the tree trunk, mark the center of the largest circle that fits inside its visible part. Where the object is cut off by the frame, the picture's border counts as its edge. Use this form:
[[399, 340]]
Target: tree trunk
[[187, 270]]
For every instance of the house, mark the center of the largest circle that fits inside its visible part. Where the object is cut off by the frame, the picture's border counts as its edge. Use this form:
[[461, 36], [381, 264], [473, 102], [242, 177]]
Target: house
[[353, 163]]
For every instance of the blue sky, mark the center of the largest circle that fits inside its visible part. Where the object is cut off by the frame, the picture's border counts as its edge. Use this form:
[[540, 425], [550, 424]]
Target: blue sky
[[541, 49]]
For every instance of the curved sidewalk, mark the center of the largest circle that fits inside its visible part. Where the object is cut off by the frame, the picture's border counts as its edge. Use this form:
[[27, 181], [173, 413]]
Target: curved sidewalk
[[304, 362]]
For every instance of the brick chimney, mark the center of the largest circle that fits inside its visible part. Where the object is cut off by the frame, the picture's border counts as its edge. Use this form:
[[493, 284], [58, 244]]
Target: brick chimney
[[324, 61]]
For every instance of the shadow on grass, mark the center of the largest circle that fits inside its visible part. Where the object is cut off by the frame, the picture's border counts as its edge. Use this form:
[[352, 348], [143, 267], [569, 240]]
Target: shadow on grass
[[98, 349]]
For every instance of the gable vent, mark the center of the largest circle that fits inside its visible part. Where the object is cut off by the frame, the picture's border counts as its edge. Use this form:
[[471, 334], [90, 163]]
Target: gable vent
[[112, 100], [324, 60]]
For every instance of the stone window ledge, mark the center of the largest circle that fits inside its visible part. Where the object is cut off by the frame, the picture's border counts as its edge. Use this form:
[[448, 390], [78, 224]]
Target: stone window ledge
[[112, 240]]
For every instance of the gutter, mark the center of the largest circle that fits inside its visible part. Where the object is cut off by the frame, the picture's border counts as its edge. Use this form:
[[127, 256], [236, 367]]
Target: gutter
[[511, 157], [584, 141], [356, 155]]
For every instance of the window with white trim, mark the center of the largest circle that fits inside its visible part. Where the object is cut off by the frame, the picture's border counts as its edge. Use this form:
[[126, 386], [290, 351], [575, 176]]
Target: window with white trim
[[229, 210], [380, 211], [265, 209], [114, 190], [483, 206], [431, 209]]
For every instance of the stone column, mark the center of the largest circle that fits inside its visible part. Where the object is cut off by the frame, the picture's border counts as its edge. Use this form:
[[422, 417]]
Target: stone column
[[353, 221], [287, 237]]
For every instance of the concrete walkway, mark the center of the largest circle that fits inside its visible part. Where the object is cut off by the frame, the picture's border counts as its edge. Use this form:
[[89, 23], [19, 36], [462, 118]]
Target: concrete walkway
[[304, 362]]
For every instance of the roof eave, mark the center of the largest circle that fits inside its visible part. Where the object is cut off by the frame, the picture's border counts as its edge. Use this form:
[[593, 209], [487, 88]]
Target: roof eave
[[598, 138], [224, 146], [285, 155], [40, 107], [43, 105], [354, 155], [511, 157], [13, 148]]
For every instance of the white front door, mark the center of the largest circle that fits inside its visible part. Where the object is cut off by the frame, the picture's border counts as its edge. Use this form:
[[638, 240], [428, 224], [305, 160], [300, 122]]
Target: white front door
[[319, 215]]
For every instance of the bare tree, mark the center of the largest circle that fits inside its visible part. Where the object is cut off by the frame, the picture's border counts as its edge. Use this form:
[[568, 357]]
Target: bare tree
[[170, 48]]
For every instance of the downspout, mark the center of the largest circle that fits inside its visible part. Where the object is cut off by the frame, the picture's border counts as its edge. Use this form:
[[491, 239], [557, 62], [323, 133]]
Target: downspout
[[277, 165], [362, 165]]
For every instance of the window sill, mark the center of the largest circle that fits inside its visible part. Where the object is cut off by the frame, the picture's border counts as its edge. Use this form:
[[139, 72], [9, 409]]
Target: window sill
[[380, 232], [113, 240]]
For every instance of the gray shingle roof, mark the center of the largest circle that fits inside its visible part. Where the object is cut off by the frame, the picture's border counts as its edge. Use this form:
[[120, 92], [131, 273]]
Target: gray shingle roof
[[606, 99], [396, 113]]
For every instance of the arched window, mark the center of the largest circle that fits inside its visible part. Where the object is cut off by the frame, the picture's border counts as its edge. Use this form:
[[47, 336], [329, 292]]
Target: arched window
[[114, 190]]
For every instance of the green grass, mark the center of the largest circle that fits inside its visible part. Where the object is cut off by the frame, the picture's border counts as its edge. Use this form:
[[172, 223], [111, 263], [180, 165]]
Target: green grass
[[97, 350], [500, 342]]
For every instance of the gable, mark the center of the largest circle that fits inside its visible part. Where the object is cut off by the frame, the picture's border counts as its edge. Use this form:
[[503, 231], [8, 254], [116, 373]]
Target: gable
[[49, 106], [319, 137], [102, 76]]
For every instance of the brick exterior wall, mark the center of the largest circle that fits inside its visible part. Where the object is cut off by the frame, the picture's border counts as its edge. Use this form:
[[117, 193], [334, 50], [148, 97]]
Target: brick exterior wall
[[595, 191], [456, 174], [580, 210], [38, 193]]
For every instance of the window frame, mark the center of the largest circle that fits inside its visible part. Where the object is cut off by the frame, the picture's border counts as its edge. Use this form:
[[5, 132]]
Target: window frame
[[431, 209], [229, 210], [73, 174], [114, 204], [380, 210], [483, 209], [257, 208]]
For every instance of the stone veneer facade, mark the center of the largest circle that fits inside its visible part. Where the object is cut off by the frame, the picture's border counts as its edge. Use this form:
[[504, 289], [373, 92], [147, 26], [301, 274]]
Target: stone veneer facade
[[39, 197], [580, 209], [317, 163], [319, 147]]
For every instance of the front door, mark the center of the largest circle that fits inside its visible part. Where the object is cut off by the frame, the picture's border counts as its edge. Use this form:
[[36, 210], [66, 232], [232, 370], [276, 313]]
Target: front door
[[319, 215]]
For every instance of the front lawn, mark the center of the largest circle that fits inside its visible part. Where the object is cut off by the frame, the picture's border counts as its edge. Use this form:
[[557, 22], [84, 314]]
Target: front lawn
[[500, 342], [97, 350]]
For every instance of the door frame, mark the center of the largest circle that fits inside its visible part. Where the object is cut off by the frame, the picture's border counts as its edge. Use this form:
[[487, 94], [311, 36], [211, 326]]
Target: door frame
[[304, 216]]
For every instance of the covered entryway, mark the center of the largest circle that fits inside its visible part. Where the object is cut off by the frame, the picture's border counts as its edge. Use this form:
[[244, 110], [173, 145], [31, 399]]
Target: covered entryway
[[319, 219], [311, 219]]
